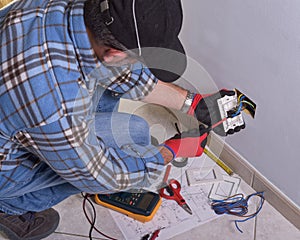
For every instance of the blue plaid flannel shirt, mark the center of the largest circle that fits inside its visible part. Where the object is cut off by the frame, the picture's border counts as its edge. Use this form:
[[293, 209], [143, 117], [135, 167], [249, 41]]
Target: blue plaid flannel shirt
[[49, 78]]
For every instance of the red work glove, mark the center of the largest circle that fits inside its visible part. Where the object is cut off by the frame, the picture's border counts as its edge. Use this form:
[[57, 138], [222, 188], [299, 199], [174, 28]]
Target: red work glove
[[188, 144], [205, 109]]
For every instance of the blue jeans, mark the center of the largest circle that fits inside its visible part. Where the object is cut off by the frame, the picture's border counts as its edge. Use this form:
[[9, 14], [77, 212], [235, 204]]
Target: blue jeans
[[23, 189]]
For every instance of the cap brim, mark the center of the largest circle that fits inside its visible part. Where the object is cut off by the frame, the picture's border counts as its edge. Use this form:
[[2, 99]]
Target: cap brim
[[167, 63]]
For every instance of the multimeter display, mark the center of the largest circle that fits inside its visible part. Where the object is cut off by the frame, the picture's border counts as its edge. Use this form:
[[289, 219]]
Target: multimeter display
[[140, 206]]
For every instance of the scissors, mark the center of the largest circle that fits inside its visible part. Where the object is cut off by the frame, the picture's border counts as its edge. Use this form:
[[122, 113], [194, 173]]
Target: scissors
[[172, 191]]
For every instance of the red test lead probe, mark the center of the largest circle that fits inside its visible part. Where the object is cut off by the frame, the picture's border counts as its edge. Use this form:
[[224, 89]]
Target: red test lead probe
[[155, 234]]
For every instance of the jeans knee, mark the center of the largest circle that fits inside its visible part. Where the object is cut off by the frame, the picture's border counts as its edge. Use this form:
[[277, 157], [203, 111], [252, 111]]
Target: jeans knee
[[139, 130]]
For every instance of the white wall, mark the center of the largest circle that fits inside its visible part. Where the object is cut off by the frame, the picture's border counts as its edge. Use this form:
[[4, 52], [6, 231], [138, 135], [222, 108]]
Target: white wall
[[254, 45]]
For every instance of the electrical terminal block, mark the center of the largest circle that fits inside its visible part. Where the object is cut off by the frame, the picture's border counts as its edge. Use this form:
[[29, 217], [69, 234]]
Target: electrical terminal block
[[227, 105]]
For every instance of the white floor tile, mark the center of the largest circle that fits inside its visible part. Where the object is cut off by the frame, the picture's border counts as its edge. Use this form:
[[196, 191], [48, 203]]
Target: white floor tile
[[73, 220], [222, 228], [59, 236], [271, 225]]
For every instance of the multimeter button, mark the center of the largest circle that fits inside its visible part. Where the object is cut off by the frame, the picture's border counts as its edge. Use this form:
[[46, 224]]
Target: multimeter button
[[130, 203]]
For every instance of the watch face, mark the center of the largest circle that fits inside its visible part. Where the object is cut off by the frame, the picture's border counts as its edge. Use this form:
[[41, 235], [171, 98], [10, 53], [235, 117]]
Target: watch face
[[188, 102]]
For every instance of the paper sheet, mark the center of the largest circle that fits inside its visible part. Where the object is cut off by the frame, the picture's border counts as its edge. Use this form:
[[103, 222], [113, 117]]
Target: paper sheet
[[170, 216]]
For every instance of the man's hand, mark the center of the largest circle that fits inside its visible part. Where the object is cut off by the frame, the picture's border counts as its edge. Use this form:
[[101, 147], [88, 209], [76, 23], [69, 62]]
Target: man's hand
[[205, 109], [188, 144]]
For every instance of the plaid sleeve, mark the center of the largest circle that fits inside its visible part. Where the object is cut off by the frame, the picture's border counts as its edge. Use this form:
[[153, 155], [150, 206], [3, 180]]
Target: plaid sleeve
[[134, 81], [46, 100], [78, 156]]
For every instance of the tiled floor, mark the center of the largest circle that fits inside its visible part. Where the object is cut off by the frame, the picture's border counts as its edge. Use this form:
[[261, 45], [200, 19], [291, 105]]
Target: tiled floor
[[269, 224]]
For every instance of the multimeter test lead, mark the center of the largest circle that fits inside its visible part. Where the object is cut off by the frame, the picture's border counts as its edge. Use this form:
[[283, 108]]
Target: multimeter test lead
[[155, 234], [152, 236]]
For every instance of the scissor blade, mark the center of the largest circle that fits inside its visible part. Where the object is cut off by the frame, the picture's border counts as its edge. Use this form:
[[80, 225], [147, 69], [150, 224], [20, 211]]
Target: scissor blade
[[187, 208]]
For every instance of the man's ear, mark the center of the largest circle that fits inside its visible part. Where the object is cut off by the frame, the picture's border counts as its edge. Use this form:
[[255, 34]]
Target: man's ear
[[113, 55]]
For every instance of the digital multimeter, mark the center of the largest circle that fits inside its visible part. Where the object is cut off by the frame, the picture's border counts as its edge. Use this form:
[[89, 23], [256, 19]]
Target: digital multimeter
[[140, 206]]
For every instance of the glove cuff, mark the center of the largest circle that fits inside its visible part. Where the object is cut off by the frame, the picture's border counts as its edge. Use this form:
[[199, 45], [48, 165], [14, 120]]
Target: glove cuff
[[170, 149]]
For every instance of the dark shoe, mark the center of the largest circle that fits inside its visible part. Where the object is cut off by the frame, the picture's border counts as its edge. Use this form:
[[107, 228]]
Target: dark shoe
[[29, 226]]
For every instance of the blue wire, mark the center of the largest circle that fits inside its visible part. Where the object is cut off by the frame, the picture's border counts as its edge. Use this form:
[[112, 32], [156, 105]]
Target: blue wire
[[238, 111], [237, 205]]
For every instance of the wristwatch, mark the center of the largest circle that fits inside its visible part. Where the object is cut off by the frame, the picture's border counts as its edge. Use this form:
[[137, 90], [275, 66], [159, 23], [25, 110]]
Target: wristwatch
[[188, 102]]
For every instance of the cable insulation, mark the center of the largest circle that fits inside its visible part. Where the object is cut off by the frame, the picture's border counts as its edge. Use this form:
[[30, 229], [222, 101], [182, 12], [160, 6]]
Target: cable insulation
[[237, 205]]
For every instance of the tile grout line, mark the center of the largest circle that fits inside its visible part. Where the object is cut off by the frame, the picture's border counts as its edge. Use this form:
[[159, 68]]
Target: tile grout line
[[255, 227], [77, 235], [256, 217], [252, 180]]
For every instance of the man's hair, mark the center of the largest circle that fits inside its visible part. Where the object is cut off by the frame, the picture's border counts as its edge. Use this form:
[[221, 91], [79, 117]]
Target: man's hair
[[95, 23]]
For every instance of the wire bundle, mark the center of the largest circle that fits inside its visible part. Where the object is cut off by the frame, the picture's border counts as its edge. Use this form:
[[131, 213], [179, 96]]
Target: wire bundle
[[243, 104], [237, 205], [240, 106]]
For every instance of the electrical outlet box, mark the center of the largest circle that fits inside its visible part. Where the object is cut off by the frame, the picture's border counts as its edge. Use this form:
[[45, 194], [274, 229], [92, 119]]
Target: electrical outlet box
[[226, 104]]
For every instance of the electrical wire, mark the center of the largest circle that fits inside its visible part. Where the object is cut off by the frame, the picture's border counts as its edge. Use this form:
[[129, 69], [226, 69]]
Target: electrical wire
[[239, 97], [237, 205], [240, 106], [248, 103], [218, 123], [92, 220]]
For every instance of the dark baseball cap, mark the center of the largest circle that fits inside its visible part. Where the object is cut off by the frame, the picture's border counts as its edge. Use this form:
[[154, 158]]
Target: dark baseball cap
[[154, 26]]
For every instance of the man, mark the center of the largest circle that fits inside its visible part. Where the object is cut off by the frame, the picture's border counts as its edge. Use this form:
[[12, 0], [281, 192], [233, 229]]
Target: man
[[64, 66]]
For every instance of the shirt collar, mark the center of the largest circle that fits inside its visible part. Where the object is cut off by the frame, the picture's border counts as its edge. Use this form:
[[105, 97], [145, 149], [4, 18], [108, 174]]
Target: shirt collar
[[85, 54]]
